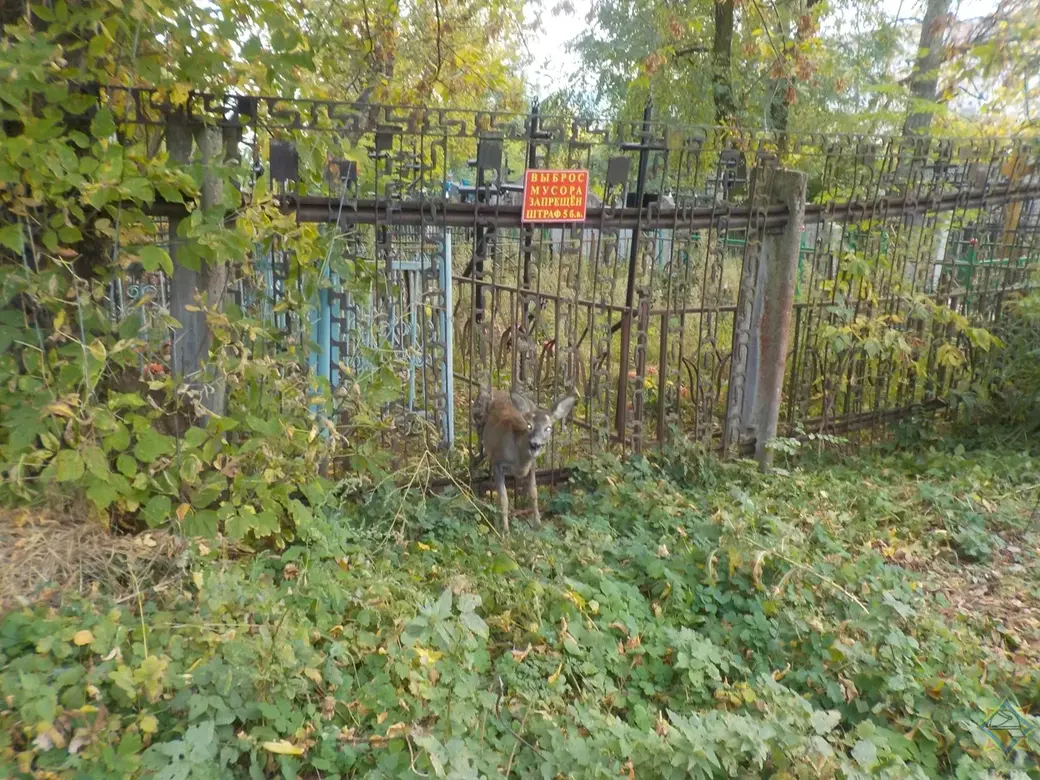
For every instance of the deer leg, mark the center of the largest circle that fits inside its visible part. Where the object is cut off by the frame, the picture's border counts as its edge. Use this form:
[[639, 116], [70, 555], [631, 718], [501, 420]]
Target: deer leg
[[532, 491], [503, 498]]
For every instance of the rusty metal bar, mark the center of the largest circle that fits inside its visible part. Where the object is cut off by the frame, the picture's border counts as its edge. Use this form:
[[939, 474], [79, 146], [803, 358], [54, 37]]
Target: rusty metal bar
[[317, 209], [630, 284]]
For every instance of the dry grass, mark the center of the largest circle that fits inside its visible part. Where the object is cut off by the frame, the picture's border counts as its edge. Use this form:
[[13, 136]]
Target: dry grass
[[44, 553]]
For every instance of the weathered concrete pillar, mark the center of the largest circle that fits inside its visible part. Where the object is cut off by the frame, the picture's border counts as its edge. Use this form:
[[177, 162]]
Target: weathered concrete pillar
[[771, 316], [192, 276], [215, 271], [743, 357], [185, 348]]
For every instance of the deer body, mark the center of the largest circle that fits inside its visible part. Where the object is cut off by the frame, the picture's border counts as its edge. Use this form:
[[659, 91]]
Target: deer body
[[513, 433]]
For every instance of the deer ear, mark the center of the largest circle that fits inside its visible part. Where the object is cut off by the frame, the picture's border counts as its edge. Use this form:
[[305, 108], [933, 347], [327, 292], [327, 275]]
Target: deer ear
[[521, 403], [563, 407]]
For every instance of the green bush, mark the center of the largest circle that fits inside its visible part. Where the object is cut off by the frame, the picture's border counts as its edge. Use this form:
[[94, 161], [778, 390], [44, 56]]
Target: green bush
[[747, 626], [1014, 378]]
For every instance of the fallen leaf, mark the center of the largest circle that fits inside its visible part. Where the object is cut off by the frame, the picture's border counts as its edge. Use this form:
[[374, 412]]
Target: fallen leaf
[[283, 748]]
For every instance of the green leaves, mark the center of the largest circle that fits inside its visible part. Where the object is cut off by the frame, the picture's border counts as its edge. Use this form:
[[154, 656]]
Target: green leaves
[[157, 511], [68, 466], [468, 602], [13, 237], [474, 623], [191, 756], [127, 465], [442, 607], [712, 659], [154, 258], [151, 446], [103, 125], [248, 520], [824, 721], [865, 753], [95, 461], [503, 563]]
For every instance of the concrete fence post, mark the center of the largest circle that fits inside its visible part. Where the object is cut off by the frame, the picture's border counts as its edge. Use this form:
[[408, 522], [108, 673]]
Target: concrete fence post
[[191, 343], [743, 354], [184, 354], [771, 317], [215, 271]]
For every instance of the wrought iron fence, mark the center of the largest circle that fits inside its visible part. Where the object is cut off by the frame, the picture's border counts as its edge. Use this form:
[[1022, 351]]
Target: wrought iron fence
[[644, 307]]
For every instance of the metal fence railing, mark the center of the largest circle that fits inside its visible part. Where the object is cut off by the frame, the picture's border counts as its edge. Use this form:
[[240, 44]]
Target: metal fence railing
[[638, 306]]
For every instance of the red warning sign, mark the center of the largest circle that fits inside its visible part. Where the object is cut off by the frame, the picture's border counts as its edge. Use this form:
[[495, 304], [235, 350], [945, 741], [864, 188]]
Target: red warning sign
[[555, 196]]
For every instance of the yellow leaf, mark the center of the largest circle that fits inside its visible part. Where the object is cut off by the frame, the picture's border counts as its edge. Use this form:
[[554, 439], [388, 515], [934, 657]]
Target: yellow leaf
[[555, 675], [149, 724], [179, 93], [426, 656], [182, 511], [313, 675], [82, 638], [576, 598], [60, 408], [283, 748]]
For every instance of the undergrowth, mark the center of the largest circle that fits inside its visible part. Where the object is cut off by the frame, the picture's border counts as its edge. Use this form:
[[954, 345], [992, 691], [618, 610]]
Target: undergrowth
[[677, 617]]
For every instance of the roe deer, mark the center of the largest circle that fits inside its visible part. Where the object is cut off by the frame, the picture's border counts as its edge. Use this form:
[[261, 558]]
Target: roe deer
[[513, 432]]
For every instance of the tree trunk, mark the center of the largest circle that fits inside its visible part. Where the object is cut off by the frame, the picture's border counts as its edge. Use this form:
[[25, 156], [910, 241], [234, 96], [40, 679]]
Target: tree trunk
[[783, 92], [721, 58], [924, 80]]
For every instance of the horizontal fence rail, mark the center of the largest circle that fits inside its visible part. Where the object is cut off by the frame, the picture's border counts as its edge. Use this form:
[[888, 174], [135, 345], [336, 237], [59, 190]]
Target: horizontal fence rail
[[319, 209]]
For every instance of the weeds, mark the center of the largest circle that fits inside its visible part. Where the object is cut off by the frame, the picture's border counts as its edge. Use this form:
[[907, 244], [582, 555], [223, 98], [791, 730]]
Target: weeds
[[697, 620]]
